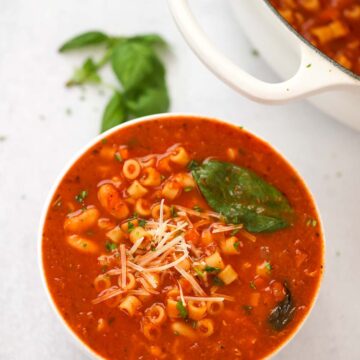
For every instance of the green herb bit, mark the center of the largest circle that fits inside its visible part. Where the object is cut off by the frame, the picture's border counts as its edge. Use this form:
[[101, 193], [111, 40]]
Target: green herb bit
[[192, 165], [217, 281], [197, 208], [255, 52], [131, 226], [188, 188], [211, 269], [118, 157], [198, 272], [308, 65], [268, 266], [81, 196], [152, 247], [236, 245], [181, 309], [252, 285], [311, 222], [104, 140], [110, 246], [142, 222]]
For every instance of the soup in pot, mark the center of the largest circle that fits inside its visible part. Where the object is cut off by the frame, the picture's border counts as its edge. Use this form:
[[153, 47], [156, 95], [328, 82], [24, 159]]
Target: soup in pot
[[332, 26]]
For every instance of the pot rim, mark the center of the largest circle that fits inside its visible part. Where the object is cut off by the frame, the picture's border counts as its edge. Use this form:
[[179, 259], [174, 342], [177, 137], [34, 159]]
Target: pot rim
[[307, 42]]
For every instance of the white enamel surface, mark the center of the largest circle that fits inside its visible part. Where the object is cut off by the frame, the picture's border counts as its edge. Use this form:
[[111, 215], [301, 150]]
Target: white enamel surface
[[41, 138], [279, 48], [303, 81]]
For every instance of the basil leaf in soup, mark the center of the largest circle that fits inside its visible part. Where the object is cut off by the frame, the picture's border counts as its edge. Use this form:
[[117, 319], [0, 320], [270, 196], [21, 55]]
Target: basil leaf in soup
[[242, 197], [283, 312]]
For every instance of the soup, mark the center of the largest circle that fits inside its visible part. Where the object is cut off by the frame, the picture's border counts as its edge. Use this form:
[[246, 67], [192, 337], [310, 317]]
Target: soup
[[182, 238], [332, 26]]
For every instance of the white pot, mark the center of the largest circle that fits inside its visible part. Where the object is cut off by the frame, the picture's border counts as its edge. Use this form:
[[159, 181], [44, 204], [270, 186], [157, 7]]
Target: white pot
[[305, 71]]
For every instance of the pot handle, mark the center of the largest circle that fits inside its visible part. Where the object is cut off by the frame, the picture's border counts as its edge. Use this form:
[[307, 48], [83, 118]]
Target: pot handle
[[314, 74]]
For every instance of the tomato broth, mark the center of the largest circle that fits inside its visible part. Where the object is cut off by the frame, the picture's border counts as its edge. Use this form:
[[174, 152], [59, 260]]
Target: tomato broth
[[182, 238]]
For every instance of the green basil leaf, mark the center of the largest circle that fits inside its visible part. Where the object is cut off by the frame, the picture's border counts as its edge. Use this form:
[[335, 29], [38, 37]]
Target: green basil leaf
[[151, 39], [115, 112], [181, 309], [87, 73], [149, 101], [85, 39], [133, 63], [242, 196]]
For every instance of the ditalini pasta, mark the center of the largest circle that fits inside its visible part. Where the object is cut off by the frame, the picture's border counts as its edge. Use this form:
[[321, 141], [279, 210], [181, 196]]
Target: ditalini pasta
[[182, 238], [332, 26]]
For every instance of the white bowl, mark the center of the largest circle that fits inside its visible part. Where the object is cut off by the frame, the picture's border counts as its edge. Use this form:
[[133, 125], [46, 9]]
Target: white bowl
[[329, 86], [83, 346]]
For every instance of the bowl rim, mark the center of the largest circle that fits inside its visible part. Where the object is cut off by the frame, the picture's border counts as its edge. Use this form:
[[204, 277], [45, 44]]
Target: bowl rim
[[307, 42], [82, 345]]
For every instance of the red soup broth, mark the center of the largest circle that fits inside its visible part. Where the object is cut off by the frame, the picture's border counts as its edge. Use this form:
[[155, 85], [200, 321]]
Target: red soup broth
[[332, 26], [141, 267]]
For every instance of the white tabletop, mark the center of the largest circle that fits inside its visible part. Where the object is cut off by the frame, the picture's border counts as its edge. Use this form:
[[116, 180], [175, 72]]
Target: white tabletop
[[37, 137]]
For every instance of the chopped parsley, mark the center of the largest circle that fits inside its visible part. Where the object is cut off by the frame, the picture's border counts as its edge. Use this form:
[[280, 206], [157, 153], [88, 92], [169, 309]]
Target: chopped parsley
[[110, 246], [131, 226], [198, 272], [181, 309], [142, 222], [217, 281], [311, 222], [192, 165], [268, 266], [211, 269], [308, 65], [118, 157], [81, 196], [197, 208], [236, 245], [252, 285], [188, 188]]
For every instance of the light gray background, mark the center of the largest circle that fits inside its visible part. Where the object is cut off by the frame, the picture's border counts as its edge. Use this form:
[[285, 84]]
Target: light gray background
[[40, 137]]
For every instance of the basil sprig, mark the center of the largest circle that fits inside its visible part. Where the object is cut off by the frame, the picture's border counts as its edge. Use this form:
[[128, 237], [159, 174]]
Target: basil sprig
[[136, 65]]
